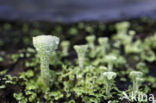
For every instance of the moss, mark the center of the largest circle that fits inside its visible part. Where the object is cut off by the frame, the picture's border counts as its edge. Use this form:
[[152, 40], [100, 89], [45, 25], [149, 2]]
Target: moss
[[121, 52]]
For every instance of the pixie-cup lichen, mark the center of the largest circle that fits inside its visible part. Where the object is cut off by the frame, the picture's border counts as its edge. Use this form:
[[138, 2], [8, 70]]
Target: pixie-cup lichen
[[122, 27], [81, 52], [45, 45], [136, 77], [110, 60], [91, 45], [65, 46], [104, 45], [109, 79], [91, 39]]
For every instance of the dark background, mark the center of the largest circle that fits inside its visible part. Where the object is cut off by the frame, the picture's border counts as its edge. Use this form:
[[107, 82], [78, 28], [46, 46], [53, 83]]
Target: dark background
[[76, 10]]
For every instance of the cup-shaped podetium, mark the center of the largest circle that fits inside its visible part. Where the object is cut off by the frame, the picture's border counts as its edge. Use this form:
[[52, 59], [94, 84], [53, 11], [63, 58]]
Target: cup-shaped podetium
[[137, 79], [45, 45], [91, 45], [91, 39], [65, 46], [110, 59], [109, 80], [81, 52], [103, 40], [104, 45], [122, 27]]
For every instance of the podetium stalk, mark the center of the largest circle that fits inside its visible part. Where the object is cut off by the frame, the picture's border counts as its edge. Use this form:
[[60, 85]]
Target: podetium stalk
[[81, 51], [45, 45], [104, 45]]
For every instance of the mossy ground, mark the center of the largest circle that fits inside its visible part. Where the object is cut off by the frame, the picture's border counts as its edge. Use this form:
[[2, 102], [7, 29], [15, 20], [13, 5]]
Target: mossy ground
[[19, 64]]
